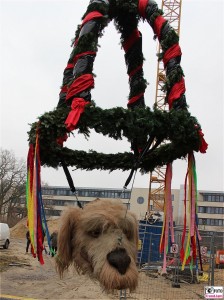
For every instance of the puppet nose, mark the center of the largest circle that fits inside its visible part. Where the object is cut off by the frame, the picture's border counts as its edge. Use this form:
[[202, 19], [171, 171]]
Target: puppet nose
[[119, 259]]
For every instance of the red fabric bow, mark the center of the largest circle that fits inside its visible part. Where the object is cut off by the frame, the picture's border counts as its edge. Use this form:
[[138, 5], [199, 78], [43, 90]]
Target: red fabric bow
[[78, 107]]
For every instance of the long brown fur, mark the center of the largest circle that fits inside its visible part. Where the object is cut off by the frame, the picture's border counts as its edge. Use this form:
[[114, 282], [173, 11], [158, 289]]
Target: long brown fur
[[88, 236]]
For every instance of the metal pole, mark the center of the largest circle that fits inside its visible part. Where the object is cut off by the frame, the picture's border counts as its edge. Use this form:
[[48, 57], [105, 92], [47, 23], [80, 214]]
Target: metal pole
[[122, 294], [176, 283], [150, 247]]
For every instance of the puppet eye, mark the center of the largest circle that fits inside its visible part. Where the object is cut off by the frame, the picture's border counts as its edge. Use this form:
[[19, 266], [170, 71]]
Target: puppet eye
[[95, 233]]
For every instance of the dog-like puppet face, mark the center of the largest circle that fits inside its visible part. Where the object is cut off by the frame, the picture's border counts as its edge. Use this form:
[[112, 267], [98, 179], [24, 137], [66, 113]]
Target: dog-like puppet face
[[100, 240]]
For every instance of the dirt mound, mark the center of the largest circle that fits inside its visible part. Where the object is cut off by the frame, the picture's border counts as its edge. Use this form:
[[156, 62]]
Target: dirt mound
[[53, 225], [20, 229]]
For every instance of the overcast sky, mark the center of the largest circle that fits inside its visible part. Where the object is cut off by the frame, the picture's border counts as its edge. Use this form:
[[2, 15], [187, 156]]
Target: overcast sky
[[35, 47]]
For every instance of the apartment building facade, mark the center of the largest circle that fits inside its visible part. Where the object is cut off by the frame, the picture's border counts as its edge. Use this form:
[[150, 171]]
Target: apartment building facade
[[210, 203], [211, 211]]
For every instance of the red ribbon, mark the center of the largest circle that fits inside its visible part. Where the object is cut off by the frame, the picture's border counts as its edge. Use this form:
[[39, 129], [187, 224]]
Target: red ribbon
[[69, 66], [172, 52], [204, 145], [177, 90], [142, 7], [76, 41], [194, 247], [82, 54], [30, 166], [158, 23], [90, 16], [40, 239], [182, 252], [60, 140], [129, 42], [78, 107], [135, 98], [135, 71], [80, 84], [64, 89]]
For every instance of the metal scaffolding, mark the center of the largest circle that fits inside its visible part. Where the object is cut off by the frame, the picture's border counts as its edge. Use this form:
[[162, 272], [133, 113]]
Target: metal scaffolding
[[172, 13]]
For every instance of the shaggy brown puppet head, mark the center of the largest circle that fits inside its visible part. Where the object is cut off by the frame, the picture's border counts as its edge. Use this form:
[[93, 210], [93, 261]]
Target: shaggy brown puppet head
[[100, 240]]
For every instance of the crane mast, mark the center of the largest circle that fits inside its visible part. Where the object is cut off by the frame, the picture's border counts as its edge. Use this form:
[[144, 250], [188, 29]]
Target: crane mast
[[172, 13]]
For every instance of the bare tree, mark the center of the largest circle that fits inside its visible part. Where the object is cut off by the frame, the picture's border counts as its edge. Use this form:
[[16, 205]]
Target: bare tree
[[12, 184]]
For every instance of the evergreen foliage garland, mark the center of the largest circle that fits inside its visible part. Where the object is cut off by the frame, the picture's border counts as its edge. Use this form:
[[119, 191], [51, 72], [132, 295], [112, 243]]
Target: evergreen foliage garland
[[176, 126]]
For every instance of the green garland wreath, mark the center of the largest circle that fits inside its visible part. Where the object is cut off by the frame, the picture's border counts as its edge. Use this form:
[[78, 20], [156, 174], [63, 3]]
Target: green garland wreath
[[176, 126], [137, 123]]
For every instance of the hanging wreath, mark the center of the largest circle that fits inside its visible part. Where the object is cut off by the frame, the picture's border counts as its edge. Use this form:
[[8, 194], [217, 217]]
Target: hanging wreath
[[137, 123], [145, 129]]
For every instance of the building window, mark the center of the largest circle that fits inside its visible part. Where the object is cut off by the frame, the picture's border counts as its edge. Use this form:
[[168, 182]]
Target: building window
[[211, 222], [46, 191], [61, 192], [213, 197], [216, 222], [210, 210], [104, 193], [201, 209]]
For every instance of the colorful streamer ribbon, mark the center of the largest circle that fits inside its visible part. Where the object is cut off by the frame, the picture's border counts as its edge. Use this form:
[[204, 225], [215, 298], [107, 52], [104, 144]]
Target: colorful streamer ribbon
[[37, 224], [168, 217], [188, 254]]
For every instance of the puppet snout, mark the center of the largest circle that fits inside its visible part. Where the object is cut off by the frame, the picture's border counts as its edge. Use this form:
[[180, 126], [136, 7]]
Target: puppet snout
[[119, 259]]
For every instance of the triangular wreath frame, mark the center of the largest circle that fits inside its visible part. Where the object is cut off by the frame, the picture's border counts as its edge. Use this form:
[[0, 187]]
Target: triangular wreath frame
[[178, 128]]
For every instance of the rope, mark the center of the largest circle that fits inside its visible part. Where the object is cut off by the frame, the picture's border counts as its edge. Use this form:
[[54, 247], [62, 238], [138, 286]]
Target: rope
[[70, 182], [145, 150]]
